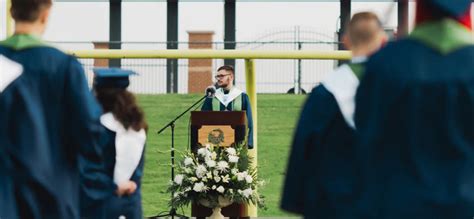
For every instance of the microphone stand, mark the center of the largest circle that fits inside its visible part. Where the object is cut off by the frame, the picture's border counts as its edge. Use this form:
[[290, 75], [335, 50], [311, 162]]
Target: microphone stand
[[172, 213]]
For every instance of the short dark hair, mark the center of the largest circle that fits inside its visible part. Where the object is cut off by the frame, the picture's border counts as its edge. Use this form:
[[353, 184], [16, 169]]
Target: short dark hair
[[28, 10], [360, 30], [227, 68]]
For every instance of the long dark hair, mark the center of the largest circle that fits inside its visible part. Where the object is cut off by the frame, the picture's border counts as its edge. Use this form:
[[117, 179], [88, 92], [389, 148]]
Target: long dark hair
[[123, 105]]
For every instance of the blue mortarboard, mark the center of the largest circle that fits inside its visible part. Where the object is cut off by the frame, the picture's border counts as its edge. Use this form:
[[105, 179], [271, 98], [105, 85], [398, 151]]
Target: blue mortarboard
[[454, 8], [112, 77]]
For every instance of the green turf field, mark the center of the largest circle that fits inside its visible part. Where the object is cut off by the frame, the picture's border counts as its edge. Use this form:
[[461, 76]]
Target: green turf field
[[277, 115]]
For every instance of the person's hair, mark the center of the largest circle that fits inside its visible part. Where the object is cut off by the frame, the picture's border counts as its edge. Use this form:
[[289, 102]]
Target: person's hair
[[363, 28], [123, 106], [227, 68], [28, 10]]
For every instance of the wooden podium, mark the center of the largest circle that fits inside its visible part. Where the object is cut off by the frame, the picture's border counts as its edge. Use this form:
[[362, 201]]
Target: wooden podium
[[225, 128]]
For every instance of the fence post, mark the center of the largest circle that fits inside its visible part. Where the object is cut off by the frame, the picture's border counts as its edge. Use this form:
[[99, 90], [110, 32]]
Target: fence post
[[252, 92]]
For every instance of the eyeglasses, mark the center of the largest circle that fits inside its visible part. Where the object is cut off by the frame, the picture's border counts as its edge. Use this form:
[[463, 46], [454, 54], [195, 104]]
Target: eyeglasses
[[221, 76]]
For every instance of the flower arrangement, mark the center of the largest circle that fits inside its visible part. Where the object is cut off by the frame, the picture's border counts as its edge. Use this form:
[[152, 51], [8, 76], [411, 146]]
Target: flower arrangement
[[214, 172]]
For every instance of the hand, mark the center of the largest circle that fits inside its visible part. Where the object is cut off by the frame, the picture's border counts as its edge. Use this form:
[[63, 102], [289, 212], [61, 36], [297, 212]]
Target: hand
[[126, 188]]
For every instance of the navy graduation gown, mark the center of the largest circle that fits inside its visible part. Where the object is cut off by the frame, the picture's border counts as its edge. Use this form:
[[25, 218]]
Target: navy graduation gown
[[320, 179], [49, 125], [128, 206], [415, 119], [207, 106]]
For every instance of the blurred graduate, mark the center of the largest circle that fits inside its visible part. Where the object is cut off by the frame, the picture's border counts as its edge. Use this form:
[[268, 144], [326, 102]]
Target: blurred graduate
[[230, 98], [49, 124], [125, 141], [320, 179], [414, 114]]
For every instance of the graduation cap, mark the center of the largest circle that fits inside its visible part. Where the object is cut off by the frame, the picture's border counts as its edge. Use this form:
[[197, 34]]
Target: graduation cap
[[454, 8], [112, 78]]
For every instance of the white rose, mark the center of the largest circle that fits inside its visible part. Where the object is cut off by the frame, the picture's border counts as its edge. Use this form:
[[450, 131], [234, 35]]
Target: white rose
[[246, 193], [231, 151], [233, 159], [178, 179], [211, 163], [249, 179], [200, 171], [222, 166], [215, 173], [202, 152], [209, 175], [241, 176], [194, 179], [204, 179], [188, 161], [220, 189], [217, 179], [199, 187], [214, 187]]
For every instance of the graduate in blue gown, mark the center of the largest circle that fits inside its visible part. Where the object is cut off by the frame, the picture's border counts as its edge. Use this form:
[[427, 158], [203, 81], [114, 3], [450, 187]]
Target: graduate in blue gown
[[125, 141], [230, 98], [415, 118], [49, 125], [320, 179]]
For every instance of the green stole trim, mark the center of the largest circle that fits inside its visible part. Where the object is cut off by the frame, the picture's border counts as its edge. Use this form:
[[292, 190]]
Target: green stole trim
[[445, 35], [358, 69], [23, 41], [236, 104]]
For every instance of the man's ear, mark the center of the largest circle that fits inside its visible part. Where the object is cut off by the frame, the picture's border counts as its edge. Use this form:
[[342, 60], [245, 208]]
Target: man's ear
[[346, 41], [44, 15]]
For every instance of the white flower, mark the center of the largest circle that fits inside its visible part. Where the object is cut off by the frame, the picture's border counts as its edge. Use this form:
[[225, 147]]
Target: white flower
[[202, 152], [249, 179], [214, 155], [214, 187], [199, 187], [220, 189], [178, 179], [225, 179], [222, 166], [209, 175], [194, 179], [200, 171], [234, 171], [241, 176], [188, 170], [231, 191], [204, 179], [231, 151], [215, 173], [217, 179], [188, 161], [187, 189], [233, 159], [246, 193], [211, 163]]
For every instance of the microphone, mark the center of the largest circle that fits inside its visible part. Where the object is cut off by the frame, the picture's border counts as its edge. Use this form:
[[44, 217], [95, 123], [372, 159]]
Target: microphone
[[210, 91]]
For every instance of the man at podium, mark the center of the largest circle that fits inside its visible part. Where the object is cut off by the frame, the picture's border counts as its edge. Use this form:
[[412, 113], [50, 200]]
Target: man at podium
[[230, 98]]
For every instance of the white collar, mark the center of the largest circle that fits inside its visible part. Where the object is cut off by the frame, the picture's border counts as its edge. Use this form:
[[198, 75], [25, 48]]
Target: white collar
[[359, 59], [9, 71], [343, 84], [129, 145], [227, 98]]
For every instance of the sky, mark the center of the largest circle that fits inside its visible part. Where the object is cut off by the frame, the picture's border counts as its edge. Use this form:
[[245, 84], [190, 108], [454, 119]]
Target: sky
[[146, 21]]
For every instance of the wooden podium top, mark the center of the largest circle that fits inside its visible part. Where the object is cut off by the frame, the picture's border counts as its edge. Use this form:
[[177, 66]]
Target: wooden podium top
[[218, 118]]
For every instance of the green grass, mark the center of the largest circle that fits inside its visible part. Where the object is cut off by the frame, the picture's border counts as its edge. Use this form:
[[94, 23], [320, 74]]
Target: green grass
[[277, 116]]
